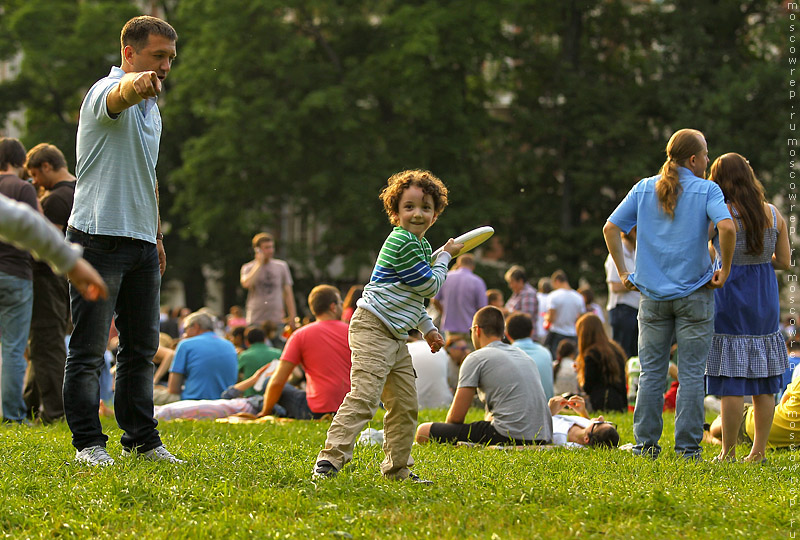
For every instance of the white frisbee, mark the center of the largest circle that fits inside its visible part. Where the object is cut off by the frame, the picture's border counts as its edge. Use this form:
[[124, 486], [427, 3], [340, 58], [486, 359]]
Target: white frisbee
[[471, 240]]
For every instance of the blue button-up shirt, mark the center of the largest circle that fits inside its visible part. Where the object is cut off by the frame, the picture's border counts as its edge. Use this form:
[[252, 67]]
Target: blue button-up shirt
[[672, 259]]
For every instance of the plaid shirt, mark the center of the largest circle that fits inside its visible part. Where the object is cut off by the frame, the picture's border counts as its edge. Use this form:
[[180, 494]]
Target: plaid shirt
[[526, 302]]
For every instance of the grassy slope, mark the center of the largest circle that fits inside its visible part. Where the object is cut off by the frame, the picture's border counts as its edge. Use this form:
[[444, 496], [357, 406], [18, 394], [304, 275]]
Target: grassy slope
[[255, 480]]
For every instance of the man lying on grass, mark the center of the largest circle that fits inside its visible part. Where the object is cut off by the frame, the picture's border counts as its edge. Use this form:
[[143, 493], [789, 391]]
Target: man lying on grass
[[507, 381]]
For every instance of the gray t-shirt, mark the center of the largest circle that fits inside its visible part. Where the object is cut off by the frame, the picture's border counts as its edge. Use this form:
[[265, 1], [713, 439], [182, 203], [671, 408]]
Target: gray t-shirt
[[510, 386], [265, 296]]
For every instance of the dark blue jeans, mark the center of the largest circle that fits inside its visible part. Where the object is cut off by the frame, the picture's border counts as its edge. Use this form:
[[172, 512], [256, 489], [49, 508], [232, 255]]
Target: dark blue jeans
[[130, 269], [625, 328], [294, 401]]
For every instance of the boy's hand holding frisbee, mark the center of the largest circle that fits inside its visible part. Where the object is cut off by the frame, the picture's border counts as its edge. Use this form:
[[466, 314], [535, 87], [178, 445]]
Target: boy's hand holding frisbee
[[464, 243], [452, 247]]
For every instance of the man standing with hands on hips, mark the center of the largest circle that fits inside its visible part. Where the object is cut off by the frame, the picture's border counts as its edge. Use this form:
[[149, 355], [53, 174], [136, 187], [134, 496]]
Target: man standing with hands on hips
[[672, 212], [115, 218]]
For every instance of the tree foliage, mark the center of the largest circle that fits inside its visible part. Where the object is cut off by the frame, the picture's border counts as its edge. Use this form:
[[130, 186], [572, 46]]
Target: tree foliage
[[538, 115], [66, 46]]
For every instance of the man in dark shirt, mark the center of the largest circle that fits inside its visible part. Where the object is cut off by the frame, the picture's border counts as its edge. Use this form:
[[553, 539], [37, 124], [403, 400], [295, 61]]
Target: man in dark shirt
[[48, 352], [16, 287]]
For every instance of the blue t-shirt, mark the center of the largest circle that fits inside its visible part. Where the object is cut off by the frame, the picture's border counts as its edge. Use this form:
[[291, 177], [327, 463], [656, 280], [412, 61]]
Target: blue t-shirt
[[208, 364], [672, 259], [116, 190], [542, 358]]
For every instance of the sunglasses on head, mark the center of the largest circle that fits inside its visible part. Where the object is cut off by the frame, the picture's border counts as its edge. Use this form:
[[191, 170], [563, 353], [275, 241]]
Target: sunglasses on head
[[596, 423]]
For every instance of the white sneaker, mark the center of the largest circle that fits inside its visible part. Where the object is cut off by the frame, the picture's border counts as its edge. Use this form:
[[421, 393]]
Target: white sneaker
[[159, 453], [96, 456]]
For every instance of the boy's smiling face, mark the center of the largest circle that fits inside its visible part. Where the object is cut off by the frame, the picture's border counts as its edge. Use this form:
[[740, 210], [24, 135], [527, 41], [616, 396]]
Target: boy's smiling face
[[416, 211]]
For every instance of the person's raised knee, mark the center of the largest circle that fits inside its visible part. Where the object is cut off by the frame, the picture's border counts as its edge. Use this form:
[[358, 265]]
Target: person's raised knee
[[423, 433]]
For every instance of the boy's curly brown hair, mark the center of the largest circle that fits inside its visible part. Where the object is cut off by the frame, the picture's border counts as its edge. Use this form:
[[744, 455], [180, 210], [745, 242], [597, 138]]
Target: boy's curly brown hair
[[399, 182]]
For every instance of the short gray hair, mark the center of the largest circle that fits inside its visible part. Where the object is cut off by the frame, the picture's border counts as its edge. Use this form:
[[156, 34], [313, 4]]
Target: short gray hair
[[201, 319]]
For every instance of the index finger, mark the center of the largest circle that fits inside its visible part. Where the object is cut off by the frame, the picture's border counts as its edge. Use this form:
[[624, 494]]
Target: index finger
[[155, 81]]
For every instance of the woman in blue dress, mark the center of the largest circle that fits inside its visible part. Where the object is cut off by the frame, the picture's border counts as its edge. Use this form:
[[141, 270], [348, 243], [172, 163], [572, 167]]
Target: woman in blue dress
[[748, 353]]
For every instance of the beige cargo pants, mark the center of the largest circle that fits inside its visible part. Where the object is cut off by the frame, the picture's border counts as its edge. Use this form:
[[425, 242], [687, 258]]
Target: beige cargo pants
[[381, 371]]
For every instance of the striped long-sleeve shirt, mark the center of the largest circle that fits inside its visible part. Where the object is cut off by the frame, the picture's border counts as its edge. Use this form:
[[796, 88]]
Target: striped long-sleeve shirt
[[401, 280]]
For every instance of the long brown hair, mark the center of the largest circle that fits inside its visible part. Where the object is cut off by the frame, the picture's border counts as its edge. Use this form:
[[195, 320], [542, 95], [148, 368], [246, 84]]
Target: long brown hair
[[592, 338], [683, 144], [742, 189]]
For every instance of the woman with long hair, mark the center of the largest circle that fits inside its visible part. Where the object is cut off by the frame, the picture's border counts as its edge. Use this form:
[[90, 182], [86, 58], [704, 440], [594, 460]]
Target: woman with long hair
[[748, 353], [349, 304], [600, 365]]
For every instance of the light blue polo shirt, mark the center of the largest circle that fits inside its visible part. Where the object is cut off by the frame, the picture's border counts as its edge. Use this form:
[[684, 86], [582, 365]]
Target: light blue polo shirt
[[672, 259], [116, 190], [542, 358]]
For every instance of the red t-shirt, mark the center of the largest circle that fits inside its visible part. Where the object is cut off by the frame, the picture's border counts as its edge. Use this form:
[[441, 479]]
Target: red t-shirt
[[321, 348]]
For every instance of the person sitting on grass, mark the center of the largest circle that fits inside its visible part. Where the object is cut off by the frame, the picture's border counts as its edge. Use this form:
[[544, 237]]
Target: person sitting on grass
[[204, 365], [600, 366], [231, 402], [571, 430], [508, 383], [321, 349], [494, 297], [565, 379], [256, 355], [519, 329]]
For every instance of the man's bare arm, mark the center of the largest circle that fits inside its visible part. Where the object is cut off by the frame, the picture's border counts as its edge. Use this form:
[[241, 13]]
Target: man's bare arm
[[275, 386], [132, 88], [291, 309], [248, 279], [162, 254], [165, 363], [611, 233], [175, 383], [727, 243], [460, 406]]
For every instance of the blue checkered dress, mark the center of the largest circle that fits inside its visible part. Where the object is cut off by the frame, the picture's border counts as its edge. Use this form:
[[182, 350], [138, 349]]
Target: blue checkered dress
[[748, 354]]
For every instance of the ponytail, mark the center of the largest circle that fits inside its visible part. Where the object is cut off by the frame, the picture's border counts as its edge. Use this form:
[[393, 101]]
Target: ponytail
[[683, 144], [668, 187]]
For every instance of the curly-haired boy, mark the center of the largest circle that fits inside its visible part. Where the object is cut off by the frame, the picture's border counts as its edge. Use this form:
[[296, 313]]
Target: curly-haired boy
[[391, 305]]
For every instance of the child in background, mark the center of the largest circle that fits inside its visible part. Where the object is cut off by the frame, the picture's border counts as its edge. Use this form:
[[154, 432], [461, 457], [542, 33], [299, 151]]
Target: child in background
[[565, 378], [391, 305]]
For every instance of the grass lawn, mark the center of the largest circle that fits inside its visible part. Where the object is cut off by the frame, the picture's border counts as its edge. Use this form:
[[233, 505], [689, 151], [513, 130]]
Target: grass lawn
[[253, 481]]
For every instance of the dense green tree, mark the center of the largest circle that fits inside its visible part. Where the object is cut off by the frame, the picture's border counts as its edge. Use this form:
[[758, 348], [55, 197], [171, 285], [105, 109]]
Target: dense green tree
[[318, 104], [65, 45], [289, 117], [601, 86]]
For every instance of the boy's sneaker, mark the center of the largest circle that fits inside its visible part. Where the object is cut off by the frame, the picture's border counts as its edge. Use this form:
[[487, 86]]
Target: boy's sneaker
[[324, 469], [96, 456], [159, 453], [417, 480]]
